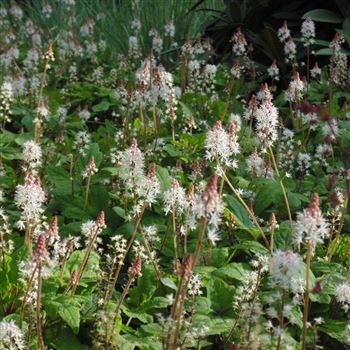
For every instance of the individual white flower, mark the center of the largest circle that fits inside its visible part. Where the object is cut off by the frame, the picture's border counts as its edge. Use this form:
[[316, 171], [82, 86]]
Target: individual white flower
[[330, 130], [175, 198], [303, 163], [136, 25], [149, 187], [290, 50], [342, 295], [90, 169], [6, 97], [194, 285], [311, 226], [250, 110], [169, 29], [256, 164], [283, 33], [84, 114], [273, 71], [133, 44], [266, 123], [119, 248], [296, 89], [43, 111], [32, 154], [319, 320], [221, 145], [30, 197], [213, 236], [308, 31], [82, 142], [11, 336], [315, 71], [131, 166], [239, 43], [285, 268]]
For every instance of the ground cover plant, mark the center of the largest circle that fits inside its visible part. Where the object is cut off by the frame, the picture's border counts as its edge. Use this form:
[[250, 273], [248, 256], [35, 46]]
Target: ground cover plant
[[151, 199]]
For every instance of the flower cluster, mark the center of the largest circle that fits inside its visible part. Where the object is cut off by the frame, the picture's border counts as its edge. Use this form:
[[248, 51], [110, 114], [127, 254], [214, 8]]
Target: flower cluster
[[311, 226], [222, 145]]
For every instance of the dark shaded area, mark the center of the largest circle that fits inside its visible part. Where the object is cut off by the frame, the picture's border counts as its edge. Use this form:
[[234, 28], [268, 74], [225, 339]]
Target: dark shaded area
[[259, 21]]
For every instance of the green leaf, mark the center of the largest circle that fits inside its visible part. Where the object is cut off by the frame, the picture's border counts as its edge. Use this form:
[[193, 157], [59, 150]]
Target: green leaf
[[119, 211], [236, 271], [71, 315], [163, 177], [101, 107], [67, 341], [146, 286], [323, 15], [270, 194], [335, 329], [219, 256], [329, 52], [252, 246], [240, 213], [220, 295], [166, 281], [186, 110], [66, 307]]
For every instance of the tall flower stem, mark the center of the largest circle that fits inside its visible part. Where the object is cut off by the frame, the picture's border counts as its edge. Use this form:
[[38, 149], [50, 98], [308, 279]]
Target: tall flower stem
[[333, 245], [306, 296], [121, 300], [175, 234], [199, 242], [87, 191], [149, 253], [281, 320], [85, 259], [24, 301], [251, 214], [284, 193], [42, 84], [176, 312], [38, 307], [134, 272], [117, 271]]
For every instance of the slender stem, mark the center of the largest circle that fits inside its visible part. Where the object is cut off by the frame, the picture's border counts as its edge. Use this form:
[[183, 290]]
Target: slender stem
[[199, 242], [246, 208], [308, 65], [64, 264], [38, 307], [176, 312], [175, 234], [125, 291], [117, 271], [148, 250], [272, 236], [71, 173], [284, 193], [250, 320], [306, 296], [333, 244], [222, 182], [281, 320], [173, 130], [26, 296], [37, 123], [84, 261], [87, 191]]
